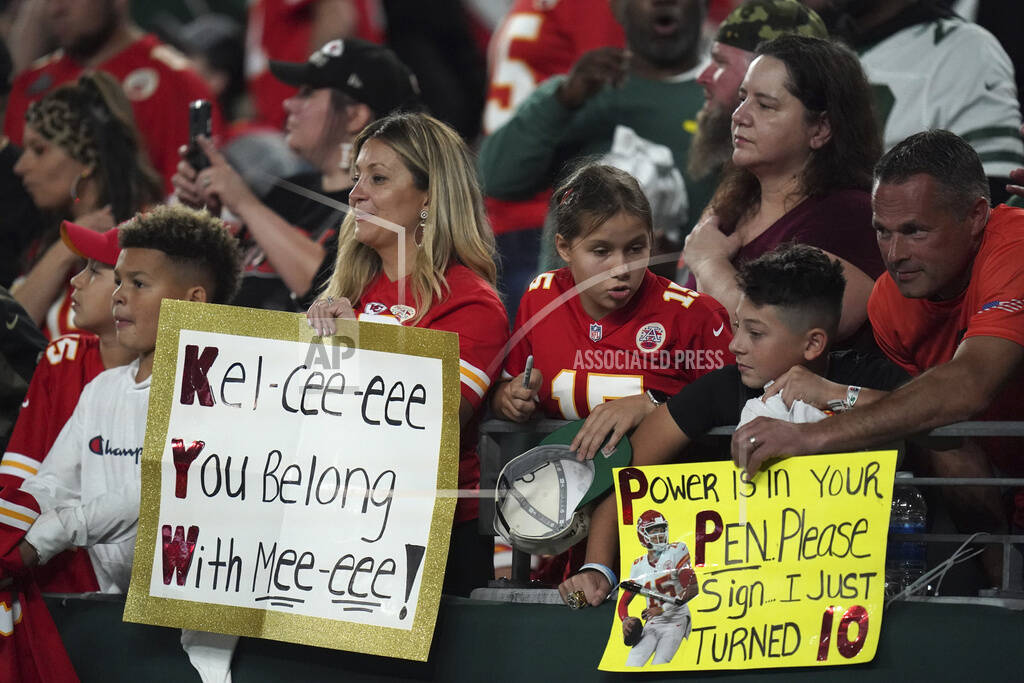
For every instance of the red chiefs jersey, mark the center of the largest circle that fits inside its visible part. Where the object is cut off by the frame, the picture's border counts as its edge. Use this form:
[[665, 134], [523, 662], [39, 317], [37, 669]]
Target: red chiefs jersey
[[471, 309], [536, 40], [918, 334], [281, 30], [664, 338], [60, 318], [31, 650], [158, 81], [67, 365]]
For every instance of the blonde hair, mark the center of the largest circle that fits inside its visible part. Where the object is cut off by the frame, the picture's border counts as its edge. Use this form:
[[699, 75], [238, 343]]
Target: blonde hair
[[456, 228]]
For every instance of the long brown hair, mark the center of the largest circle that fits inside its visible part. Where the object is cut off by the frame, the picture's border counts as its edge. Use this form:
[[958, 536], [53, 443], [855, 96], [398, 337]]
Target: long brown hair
[[106, 138], [594, 193], [828, 80]]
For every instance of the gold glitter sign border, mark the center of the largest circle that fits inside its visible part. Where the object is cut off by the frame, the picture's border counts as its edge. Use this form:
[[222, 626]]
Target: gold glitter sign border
[[141, 607]]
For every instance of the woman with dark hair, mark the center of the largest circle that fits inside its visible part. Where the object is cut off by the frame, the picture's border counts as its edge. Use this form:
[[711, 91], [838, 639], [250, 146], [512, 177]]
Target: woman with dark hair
[[83, 161], [805, 139]]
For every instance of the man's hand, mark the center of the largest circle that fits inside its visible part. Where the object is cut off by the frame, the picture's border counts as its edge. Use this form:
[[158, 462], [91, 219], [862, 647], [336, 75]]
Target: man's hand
[[593, 584], [611, 417], [591, 72], [800, 384], [763, 438], [515, 402]]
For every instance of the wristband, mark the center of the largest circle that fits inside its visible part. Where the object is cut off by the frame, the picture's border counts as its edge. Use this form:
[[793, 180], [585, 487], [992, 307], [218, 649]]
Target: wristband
[[852, 393], [606, 571], [656, 397]]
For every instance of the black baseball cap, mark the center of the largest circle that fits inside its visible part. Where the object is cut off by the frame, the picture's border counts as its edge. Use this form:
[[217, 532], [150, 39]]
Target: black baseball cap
[[369, 73]]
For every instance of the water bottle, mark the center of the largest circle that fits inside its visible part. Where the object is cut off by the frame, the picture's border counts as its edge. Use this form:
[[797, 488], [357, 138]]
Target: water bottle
[[905, 561]]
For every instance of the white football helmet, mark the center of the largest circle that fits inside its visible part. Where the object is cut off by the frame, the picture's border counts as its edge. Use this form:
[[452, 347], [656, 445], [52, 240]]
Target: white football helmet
[[652, 528]]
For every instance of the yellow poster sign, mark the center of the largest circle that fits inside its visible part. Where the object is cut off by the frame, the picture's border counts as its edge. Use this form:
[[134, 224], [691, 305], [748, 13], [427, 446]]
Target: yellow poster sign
[[722, 571]]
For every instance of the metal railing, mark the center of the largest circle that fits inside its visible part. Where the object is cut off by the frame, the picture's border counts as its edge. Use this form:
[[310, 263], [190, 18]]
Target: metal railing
[[493, 457]]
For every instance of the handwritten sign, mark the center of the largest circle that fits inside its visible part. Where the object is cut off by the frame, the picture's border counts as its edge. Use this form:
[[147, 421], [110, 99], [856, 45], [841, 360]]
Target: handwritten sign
[[785, 569], [290, 490]]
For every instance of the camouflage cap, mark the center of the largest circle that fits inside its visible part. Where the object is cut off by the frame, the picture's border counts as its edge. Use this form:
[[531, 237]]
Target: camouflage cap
[[758, 20]]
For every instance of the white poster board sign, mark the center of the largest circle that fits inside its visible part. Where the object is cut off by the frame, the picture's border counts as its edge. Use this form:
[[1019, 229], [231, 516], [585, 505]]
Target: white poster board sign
[[291, 488]]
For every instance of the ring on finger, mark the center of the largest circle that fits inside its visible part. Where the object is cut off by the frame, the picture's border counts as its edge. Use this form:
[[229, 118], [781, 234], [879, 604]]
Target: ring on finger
[[576, 600]]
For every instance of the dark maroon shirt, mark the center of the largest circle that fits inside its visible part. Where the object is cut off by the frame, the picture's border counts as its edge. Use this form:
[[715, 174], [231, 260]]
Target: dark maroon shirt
[[839, 223]]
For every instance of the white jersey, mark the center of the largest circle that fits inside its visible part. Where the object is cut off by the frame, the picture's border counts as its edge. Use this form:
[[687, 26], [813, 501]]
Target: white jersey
[[951, 74], [88, 485], [661, 578]]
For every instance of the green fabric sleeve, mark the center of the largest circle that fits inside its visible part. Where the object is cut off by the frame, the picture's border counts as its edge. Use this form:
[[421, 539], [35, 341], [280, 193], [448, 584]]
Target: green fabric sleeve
[[515, 160]]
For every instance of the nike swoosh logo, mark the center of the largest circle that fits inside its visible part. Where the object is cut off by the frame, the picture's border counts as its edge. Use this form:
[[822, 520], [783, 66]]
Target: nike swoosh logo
[[719, 330], [11, 324]]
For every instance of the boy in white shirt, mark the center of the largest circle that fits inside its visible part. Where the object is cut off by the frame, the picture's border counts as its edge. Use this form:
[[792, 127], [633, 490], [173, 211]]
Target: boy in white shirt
[[87, 489]]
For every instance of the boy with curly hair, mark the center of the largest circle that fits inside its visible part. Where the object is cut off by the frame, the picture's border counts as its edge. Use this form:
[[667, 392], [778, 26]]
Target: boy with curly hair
[[86, 492]]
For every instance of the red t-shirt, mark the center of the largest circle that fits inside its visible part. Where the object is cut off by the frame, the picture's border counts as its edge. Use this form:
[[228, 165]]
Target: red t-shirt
[[537, 40], [665, 338], [472, 310], [288, 40], [918, 334], [68, 364], [157, 80], [60, 318]]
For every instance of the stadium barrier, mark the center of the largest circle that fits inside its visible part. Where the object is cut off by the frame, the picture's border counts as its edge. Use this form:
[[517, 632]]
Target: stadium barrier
[[502, 440]]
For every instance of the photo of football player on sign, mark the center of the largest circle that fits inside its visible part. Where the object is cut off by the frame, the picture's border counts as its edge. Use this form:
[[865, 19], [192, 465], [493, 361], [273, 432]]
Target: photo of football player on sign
[[664, 576]]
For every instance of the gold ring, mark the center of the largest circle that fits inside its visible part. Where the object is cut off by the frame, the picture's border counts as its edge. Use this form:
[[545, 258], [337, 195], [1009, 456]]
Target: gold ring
[[576, 600], [205, 182]]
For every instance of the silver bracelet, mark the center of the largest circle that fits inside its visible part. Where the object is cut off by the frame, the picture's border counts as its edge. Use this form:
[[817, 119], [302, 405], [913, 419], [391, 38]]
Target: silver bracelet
[[852, 393]]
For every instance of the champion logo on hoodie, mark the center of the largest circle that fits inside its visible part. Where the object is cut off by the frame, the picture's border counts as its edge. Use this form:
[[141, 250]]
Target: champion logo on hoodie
[[101, 446]]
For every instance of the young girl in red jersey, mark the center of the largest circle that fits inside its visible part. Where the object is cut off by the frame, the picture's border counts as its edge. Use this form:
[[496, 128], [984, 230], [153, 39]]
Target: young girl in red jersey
[[609, 339]]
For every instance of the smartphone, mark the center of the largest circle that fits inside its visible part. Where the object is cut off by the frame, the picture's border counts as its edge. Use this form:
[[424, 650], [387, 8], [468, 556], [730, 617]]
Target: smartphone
[[199, 123]]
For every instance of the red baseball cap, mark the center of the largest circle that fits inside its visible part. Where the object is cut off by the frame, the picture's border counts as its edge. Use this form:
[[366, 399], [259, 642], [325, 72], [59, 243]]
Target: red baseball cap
[[87, 243]]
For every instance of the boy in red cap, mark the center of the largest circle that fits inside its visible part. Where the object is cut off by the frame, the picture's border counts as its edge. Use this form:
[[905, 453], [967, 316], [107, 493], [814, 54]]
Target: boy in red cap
[[68, 364]]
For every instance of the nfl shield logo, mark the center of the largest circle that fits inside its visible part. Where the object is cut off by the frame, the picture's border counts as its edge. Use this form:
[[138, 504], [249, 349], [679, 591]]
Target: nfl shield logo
[[596, 332]]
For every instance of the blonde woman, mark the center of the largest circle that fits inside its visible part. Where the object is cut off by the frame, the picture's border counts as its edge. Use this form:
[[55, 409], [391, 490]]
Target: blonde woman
[[417, 250]]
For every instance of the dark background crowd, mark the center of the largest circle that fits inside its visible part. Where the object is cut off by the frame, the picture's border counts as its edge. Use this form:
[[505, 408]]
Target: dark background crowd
[[562, 106]]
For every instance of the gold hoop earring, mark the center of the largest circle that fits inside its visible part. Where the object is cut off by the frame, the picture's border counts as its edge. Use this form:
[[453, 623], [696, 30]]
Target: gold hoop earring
[[74, 185]]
